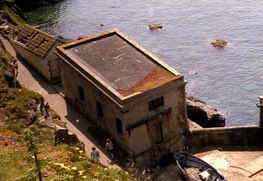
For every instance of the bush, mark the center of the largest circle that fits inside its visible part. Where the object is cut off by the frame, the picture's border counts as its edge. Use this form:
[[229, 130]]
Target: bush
[[75, 157], [14, 127]]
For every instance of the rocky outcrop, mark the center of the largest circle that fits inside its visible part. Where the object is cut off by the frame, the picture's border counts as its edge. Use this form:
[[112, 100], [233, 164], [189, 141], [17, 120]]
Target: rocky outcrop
[[155, 26], [203, 114], [62, 135], [219, 43], [193, 125]]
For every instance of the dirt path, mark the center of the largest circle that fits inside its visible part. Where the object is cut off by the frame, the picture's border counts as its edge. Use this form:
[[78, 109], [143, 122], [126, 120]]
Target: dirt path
[[74, 120]]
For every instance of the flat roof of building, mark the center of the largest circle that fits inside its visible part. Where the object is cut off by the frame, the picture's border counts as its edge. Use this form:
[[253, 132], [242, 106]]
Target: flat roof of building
[[119, 62], [34, 40]]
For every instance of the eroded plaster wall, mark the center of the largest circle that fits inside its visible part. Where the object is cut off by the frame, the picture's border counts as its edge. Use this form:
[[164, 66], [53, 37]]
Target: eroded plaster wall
[[71, 79], [174, 127], [131, 110], [37, 62], [53, 61]]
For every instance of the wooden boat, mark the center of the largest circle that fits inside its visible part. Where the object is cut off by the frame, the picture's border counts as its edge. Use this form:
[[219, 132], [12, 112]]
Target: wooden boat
[[195, 169]]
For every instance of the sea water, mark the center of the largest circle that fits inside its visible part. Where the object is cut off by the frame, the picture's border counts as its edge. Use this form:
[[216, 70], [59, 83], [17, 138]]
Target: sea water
[[230, 79]]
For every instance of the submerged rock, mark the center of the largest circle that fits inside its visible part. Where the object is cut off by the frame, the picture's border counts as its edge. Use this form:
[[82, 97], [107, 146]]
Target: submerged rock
[[219, 43], [203, 114], [155, 26]]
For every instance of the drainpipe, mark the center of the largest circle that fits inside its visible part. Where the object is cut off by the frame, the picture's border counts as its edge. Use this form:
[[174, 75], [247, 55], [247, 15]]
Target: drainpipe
[[261, 111]]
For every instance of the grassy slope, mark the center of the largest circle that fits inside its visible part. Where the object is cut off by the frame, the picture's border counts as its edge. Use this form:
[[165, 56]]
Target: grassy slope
[[61, 162]]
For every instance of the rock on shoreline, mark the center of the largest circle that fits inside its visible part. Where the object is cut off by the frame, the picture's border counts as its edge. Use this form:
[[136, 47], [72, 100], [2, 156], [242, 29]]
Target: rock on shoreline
[[203, 114]]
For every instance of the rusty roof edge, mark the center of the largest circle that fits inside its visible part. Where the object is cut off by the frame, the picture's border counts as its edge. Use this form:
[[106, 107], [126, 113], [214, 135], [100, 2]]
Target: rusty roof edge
[[140, 96], [94, 83], [134, 95]]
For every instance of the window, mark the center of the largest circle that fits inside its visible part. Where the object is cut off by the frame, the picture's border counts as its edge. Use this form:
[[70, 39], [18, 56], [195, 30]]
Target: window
[[99, 109], [158, 133], [154, 104], [81, 93], [119, 126]]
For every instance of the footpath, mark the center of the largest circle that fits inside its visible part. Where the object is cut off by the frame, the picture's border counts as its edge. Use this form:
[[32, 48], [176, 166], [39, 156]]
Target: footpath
[[75, 121]]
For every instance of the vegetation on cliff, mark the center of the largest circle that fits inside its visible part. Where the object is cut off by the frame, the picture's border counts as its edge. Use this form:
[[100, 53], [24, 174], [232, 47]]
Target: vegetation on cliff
[[9, 16], [24, 5]]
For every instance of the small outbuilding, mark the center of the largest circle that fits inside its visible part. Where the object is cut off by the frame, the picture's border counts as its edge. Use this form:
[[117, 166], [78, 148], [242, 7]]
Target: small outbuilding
[[128, 91], [38, 49]]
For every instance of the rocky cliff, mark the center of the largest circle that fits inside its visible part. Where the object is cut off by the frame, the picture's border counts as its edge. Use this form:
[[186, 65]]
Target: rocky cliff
[[25, 5], [203, 114]]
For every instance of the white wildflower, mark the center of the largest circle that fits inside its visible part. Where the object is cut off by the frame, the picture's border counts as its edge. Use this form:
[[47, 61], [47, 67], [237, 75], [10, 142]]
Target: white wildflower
[[73, 168]]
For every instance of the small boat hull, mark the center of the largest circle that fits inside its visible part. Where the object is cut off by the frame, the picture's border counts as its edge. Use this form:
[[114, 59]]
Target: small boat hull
[[195, 169]]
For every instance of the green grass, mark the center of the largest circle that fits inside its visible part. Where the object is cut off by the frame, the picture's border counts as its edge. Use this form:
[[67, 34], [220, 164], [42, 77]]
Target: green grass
[[13, 101], [13, 162], [61, 162]]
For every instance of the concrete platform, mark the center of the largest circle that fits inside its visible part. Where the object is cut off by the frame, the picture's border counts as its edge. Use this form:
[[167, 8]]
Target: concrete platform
[[241, 165]]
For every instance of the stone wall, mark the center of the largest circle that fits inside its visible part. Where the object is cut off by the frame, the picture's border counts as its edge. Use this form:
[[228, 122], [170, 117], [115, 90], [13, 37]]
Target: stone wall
[[225, 137]]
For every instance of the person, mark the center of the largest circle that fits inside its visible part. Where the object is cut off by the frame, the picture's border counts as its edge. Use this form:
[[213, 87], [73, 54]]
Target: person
[[46, 110], [14, 71], [110, 148], [94, 155], [41, 107]]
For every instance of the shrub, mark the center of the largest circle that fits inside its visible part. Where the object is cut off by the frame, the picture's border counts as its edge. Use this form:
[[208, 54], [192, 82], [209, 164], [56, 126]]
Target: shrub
[[75, 157], [14, 127]]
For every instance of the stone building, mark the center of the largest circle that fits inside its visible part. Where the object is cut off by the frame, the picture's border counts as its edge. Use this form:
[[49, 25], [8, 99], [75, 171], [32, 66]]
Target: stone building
[[38, 49], [127, 90]]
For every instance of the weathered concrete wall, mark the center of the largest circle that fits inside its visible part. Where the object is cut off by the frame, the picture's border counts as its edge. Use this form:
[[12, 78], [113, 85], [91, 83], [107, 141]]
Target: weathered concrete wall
[[135, 109], [37, 62], [47, 66], [173, 127], [225, 137], [71, 79], [139, 133], [52, 61]]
